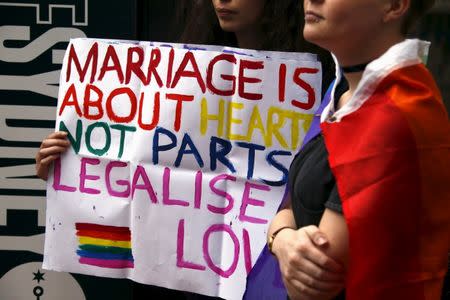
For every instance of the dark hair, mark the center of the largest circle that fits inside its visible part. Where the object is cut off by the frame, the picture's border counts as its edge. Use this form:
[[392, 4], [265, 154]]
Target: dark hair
[[416, 10], [282, 23]]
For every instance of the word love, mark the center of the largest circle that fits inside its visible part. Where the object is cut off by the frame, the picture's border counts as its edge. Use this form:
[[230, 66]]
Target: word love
[[224, 230]]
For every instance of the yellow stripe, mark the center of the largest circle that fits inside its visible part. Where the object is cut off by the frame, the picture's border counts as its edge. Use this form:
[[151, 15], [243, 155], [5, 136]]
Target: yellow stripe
[[103, 242]]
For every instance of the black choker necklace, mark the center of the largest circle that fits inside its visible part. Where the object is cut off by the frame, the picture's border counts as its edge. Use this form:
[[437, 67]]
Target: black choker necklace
[[355, 68]]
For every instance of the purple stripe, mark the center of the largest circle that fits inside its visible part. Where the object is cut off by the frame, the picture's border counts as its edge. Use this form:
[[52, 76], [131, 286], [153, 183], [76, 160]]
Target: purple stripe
[[314, 130], [105, 255], [107, 263]]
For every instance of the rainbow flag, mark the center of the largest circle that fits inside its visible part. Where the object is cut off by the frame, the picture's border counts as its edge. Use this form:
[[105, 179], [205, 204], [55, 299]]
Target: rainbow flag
[[104, 246], [389, 150]]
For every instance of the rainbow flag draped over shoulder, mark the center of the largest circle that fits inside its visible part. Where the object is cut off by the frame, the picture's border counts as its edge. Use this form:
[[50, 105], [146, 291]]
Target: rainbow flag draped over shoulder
[[389, 149]]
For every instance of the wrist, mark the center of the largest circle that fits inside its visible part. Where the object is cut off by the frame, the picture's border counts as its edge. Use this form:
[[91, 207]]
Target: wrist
[[271, 238]]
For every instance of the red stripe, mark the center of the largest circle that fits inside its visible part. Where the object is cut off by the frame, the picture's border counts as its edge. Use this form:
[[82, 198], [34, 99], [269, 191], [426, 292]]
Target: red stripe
[[97, 227], [378, 159], [380, 191], [115, 236]]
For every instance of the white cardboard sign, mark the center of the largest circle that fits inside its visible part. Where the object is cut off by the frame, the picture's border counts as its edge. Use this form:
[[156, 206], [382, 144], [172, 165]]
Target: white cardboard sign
[[178, 161]]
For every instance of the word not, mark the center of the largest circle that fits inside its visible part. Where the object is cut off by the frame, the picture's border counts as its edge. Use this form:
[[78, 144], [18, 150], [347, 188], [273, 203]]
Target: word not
[[218, 148]]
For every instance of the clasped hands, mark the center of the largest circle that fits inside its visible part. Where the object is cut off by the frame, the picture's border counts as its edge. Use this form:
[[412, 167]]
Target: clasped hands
[[307, 272]]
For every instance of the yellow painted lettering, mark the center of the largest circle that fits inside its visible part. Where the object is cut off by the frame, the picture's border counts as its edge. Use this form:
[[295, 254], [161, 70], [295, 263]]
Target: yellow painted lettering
[[256, 122], [295, 119], [274, 126], [205, 117], [231, 120]]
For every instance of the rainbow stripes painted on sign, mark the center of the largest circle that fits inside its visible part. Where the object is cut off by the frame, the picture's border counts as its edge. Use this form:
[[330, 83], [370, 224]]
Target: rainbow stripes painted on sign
[[104, 246]]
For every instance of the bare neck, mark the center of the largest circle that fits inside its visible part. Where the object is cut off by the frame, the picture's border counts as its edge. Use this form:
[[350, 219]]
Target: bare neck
[[360, 55], [353, 80]]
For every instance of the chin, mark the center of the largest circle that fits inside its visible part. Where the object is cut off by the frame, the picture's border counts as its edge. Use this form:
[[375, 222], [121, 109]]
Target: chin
[[310, 35], [314, 37], [228, 26]]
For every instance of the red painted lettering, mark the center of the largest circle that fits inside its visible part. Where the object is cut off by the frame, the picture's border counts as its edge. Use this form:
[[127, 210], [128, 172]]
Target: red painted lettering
[[180, 99], [135, 66], [209, 76], [155, 59], [282, 82], [133, 102], [170, 67], [70, 94], [250, 65], [95, 103], [304, 85], [111, 55], [182, 72], [155, 118], [92, 56]]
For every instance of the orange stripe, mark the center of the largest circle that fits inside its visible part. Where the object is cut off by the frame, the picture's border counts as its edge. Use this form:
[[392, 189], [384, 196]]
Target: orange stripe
[[115, 236]]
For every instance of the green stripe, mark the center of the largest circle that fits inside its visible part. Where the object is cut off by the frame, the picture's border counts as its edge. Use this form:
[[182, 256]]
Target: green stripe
[[107, 249]]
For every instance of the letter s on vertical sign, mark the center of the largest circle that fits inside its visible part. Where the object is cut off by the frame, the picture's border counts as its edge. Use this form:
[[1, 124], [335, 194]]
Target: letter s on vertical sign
[[36, 47]]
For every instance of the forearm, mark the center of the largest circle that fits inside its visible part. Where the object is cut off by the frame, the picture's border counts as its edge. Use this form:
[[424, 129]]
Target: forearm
[[307, 272], [333, 225], [284, 218]]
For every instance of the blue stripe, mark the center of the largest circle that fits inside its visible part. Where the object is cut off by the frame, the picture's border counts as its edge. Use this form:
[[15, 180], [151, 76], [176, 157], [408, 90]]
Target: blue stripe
[[90, 254]]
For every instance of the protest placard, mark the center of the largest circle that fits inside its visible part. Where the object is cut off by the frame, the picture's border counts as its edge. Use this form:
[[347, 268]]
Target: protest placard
[[179, 159]]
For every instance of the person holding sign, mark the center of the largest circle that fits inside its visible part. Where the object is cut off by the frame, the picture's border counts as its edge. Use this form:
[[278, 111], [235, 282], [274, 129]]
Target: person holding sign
[[274, 25], [383, 154], [230, 14]]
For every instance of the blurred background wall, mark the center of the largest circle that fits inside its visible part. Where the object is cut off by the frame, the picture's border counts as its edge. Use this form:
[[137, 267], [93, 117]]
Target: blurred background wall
[[435, 27], [33, 39]]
